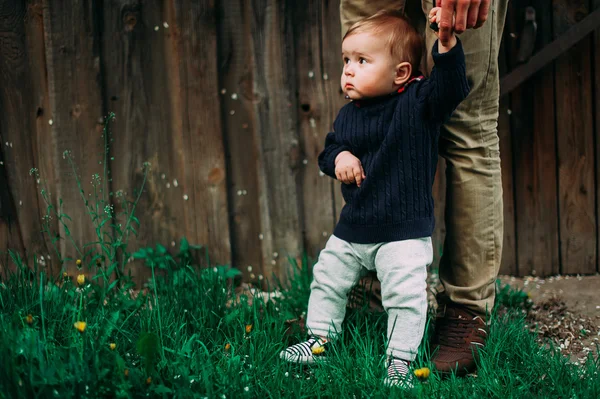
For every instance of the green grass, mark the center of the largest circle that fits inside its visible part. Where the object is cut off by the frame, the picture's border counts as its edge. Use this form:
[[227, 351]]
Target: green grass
[[180, 342], [178, 338]]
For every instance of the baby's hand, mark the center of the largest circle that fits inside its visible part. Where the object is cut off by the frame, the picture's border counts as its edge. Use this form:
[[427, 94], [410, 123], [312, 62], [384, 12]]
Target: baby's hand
[[435, 16], [348, 168]]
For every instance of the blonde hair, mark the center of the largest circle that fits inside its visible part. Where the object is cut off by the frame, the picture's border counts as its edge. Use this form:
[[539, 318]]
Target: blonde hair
[[403, 40]]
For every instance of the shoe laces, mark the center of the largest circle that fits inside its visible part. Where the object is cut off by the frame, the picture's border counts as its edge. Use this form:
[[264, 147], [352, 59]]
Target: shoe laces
[[455, 331]]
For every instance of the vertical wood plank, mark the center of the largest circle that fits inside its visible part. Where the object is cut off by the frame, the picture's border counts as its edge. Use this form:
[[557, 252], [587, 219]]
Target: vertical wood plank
[[162, 89], [332, 66], [332, 47], [538, 186], [23, 131], [575, 145], [534, 146], [139, 82], [596, 55], [201, 157], [275, 124], [74, 88], [13, 62], [314, 123], [237, 98]]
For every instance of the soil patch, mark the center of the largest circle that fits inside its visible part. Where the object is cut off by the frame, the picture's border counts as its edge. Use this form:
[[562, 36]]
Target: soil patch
[[565, 311]]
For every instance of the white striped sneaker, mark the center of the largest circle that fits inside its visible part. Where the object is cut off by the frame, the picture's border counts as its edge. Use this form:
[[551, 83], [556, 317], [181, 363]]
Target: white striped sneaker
[[398, 374], [307, 352]]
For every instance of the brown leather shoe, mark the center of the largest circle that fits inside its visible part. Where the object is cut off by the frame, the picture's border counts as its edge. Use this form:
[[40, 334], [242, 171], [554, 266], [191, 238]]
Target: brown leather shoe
[[459, 335]]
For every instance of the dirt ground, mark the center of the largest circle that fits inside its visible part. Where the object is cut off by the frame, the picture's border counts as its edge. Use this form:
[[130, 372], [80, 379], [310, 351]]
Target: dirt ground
[[566, 309]]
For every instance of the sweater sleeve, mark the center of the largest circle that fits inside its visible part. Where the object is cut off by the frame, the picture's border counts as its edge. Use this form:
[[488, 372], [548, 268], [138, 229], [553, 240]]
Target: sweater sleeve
[[447, 84], [330, 152]]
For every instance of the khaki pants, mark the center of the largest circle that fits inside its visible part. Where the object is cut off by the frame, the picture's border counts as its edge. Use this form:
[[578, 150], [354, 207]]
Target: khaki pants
[[469, 143]]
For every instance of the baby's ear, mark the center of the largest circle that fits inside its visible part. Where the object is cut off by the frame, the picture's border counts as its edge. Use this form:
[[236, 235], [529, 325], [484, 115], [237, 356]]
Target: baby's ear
[[403, 73]]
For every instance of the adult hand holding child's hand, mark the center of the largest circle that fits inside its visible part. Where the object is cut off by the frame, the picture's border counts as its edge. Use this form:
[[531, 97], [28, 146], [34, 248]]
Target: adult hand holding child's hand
[[348, 168], [468, 14]]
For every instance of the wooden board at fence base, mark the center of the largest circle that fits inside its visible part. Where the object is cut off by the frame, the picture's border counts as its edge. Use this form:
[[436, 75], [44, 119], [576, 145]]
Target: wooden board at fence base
[[278, 147], [237, 110], [575, 143], [315, 119]]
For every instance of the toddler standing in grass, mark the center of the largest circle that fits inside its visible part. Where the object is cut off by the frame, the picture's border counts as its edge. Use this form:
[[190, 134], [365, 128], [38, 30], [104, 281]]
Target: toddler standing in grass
[[384, 149]]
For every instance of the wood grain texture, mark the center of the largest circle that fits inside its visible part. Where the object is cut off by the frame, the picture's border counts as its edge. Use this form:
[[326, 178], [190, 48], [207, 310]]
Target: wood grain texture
[[236, 73], [315, 120], [164, 91], [575, 146], [534, 146], [332, 66], [278, 152], [535, 149], [24, 133], [596, 59], [200, 157], [71, 33]]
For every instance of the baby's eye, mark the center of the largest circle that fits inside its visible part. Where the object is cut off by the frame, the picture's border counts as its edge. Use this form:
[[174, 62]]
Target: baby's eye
[[362, 61], [346, 60]]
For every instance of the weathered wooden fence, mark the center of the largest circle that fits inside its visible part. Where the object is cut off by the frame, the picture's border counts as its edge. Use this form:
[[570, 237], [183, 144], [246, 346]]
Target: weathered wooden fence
[[230, 101]]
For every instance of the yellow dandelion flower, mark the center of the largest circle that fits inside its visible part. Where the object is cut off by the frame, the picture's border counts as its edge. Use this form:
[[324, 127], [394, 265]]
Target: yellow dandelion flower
[[318, 350], [126, 372], [227, 346], [65, 274], [148, 380], [422, 373], [80, 326], [29, 319], [248, 328], [78, 262], [81, 279], [112, 346]]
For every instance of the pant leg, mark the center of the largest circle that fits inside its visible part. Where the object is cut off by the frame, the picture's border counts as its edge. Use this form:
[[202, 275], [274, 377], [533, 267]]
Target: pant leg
[[402, 269], [336, 271], [352, 11], [469, 143]]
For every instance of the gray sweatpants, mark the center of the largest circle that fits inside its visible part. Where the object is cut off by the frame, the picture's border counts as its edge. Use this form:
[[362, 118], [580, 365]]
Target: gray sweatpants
[[402, 269]]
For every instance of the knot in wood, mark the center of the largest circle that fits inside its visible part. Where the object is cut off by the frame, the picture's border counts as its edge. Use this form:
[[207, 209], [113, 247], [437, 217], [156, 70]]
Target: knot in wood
[[129, 21]]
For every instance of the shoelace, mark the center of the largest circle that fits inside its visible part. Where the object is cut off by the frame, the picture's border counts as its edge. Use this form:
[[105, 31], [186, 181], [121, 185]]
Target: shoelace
[[454, 331]]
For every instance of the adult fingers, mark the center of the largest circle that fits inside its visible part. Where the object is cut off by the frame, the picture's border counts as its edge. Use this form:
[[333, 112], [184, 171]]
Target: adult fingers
[[462, 10], [349, 176], [445, 24], [473, 13], [484, 9]]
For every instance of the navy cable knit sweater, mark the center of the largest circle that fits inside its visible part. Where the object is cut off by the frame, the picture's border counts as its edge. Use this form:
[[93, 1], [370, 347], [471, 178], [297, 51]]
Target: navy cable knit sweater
[[396, 139]]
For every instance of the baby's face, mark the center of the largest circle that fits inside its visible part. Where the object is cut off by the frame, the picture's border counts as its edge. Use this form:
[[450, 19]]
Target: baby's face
[[369, 69]]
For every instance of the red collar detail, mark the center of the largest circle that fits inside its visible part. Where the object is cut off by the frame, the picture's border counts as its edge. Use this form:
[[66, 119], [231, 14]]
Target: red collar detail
[[417, 78], [400, 90]]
